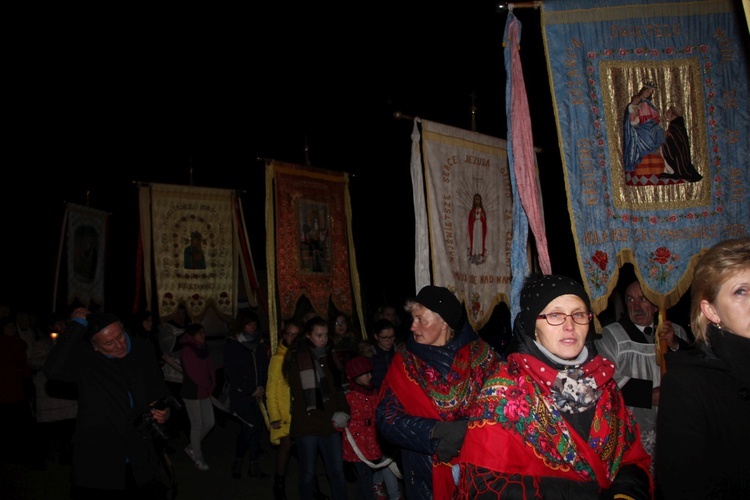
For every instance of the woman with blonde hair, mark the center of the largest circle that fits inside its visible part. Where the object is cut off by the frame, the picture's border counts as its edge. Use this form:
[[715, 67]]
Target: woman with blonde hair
[[702, 427]]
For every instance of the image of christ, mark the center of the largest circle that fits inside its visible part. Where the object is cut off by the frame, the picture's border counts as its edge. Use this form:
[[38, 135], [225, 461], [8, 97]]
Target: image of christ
[[477, 231]]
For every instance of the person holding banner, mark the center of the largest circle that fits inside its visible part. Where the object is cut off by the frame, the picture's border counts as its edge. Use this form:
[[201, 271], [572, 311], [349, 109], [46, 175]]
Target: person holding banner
[[118, 421], [551, 422], [703, 437], [631, 344], [246, 367]]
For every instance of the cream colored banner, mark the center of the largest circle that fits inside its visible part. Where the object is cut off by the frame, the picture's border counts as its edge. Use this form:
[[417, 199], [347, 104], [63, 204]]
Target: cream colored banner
[[470, 216], [194, 255]]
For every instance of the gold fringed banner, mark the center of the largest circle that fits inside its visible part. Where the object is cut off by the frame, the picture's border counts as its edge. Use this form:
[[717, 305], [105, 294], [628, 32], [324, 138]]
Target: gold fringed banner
[[469, 205], [308, 208], [193, 245], [652, 126]]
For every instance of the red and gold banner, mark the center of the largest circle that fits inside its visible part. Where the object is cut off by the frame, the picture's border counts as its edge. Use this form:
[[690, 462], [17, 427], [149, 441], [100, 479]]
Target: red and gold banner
[[312, 249]]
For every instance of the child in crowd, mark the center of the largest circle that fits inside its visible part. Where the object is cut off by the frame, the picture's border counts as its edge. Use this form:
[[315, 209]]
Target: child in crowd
[[361, 441]]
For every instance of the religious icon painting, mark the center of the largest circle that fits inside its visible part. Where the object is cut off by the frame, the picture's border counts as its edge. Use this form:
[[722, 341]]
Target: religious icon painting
[[314, 240]]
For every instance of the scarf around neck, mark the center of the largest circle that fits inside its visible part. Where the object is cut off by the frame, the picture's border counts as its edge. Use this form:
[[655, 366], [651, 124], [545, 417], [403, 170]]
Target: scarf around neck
[[315, 387], [574, 384]]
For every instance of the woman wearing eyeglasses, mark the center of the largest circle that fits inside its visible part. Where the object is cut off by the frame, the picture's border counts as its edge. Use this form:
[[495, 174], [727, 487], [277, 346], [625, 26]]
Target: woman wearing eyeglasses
[[551, 423]]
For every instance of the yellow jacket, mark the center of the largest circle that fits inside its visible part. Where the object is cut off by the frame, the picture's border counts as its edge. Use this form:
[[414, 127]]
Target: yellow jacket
[[278, 399]]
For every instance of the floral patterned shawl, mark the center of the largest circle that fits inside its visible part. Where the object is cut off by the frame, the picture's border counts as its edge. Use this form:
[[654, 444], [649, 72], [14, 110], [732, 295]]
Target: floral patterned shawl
[[517, 415], [441, 383]]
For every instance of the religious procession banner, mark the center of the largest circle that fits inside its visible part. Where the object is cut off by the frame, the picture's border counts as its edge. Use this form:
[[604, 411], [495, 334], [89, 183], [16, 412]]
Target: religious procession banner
[[195, 246], [651, 102], [311, 253], [469, 213], [86, 251]]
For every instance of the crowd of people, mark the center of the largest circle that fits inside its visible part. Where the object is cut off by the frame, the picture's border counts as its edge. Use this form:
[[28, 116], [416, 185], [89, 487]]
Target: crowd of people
[[432, 411]]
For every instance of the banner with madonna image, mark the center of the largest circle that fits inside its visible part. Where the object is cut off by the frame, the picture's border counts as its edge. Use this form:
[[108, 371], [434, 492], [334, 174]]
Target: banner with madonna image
[[651, 103]]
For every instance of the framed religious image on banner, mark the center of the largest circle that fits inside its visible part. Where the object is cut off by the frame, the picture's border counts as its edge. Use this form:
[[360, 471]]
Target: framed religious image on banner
[[651, 107], [656, 114], [314, 236], [309, 254]]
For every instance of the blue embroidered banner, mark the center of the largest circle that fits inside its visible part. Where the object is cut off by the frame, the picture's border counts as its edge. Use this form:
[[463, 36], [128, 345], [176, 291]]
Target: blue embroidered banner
[[652, 110]]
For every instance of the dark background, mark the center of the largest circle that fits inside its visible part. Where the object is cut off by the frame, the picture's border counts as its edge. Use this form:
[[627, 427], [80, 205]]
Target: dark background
[[101, 99]]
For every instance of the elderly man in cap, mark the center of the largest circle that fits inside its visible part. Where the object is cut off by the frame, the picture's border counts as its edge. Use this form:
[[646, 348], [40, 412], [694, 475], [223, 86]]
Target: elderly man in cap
[[118, 381], [431, 383]]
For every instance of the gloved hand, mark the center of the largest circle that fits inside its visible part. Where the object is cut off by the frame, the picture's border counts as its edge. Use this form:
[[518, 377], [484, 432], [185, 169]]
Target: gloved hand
[[340, 419], [451, 435]]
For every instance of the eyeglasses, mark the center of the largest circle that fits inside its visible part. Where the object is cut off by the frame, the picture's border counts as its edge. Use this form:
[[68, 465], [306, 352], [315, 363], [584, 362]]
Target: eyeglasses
[[386, 338], [341, 323], [557, 319]]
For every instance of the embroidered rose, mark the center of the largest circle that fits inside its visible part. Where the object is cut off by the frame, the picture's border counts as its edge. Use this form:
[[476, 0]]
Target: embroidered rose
[[600, 259], [662, 255]]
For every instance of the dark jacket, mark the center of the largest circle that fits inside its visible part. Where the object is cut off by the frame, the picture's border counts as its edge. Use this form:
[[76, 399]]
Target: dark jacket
[[315, 421], [413, 435], [199, 375], [113, 394], [381, 361], [703, 435], [246, 367], [15, 375]]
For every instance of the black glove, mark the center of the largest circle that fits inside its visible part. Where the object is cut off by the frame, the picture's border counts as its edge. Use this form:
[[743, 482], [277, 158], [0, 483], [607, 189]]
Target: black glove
[[630, 482], [451, 435]]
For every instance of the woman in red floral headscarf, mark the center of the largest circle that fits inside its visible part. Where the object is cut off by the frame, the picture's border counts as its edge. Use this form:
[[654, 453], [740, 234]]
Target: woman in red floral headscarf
[[551, 423], [433, 379]]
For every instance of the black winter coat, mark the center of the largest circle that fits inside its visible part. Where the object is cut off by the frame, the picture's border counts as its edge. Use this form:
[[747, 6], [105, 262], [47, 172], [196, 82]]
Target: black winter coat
[[703, 424], [381, 361], [246, 367], [112, 394]]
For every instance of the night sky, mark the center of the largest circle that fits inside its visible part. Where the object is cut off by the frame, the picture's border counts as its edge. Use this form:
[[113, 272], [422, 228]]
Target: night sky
[[101, 99]]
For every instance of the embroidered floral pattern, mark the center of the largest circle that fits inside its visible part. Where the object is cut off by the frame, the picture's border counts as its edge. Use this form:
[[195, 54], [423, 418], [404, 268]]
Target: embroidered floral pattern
[[661, 264], [596, 270], [462, 383], [521, 400]]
